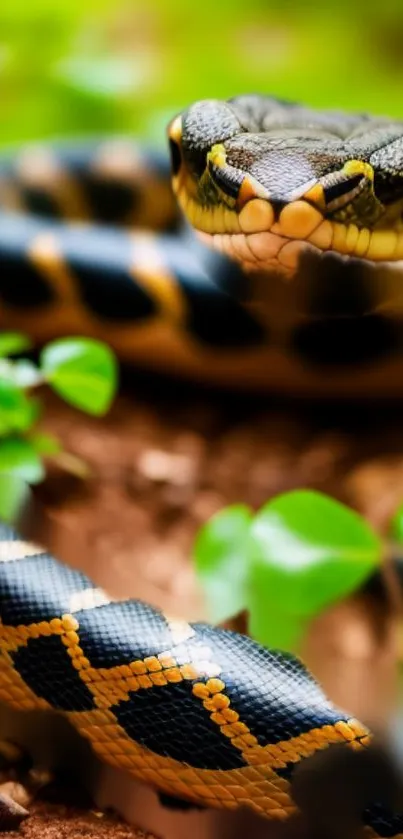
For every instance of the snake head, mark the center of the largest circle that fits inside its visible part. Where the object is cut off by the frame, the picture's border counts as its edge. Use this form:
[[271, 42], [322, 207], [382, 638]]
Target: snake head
[[256, 176]]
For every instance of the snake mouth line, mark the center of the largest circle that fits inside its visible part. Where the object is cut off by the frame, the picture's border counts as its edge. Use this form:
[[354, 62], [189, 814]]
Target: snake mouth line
[[255, 237]]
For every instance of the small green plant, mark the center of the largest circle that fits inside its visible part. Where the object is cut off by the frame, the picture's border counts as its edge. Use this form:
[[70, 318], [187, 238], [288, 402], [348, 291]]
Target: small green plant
[[284, 565], [396, 527], [82, 371]]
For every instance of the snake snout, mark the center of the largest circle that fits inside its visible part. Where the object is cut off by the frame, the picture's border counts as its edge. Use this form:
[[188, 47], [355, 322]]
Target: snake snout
[[263, 182]]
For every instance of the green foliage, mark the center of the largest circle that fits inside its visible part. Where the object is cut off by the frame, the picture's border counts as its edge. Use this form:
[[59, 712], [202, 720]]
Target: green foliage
[[306, 551], [82, 371], [220, 553], [126, 67], [300, 553], [17, 412], [12, 343], [397, 526], [45, 444], [13, 493], [18, 457]]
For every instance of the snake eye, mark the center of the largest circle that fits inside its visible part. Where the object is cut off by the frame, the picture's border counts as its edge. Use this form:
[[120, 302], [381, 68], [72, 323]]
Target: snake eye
[[227, 179], [338, 194], [176, 156], [338, 189]]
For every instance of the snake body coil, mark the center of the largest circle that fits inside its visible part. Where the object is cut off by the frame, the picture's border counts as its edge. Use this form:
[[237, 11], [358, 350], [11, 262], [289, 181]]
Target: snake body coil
[[201, 713], [308, 208], [309, 203]]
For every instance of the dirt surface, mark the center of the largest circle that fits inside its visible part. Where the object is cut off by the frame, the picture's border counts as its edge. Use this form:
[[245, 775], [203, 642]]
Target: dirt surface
[[62, 810], [61, 821], [167, 457]]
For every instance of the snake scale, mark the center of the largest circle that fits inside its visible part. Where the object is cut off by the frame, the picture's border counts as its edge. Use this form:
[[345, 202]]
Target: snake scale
[[293, 283]]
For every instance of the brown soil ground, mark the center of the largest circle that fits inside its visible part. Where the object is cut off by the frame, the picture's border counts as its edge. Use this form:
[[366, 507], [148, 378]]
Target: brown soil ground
[[167, 457], [60, 810], [63, 821]]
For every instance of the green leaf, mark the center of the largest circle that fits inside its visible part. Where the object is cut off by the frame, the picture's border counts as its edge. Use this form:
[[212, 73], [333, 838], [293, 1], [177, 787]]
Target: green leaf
[[45, 444], [13, 493], [396, 529], [13, 343], [307, 551], [17, 413], [26, 374], [82, 371], [19, 458], [221, 559]]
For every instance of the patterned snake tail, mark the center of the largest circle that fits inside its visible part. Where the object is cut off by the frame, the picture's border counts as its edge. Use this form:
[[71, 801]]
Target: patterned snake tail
[[200, 713]]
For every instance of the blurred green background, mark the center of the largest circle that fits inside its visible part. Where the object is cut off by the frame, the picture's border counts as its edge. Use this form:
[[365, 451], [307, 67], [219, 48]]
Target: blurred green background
[[90, 66]]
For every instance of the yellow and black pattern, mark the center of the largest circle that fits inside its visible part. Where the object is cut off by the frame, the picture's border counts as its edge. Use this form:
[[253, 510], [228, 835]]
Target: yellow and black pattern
[[111, 182], [91, 243], [200, 713]]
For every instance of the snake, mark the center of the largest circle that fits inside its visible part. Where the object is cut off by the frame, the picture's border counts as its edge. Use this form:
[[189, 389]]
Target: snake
[[292, 283], [282, 272]]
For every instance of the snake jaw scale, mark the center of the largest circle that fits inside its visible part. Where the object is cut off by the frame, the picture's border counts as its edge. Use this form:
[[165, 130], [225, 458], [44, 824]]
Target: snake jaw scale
[[298, 220], [256, 215]]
